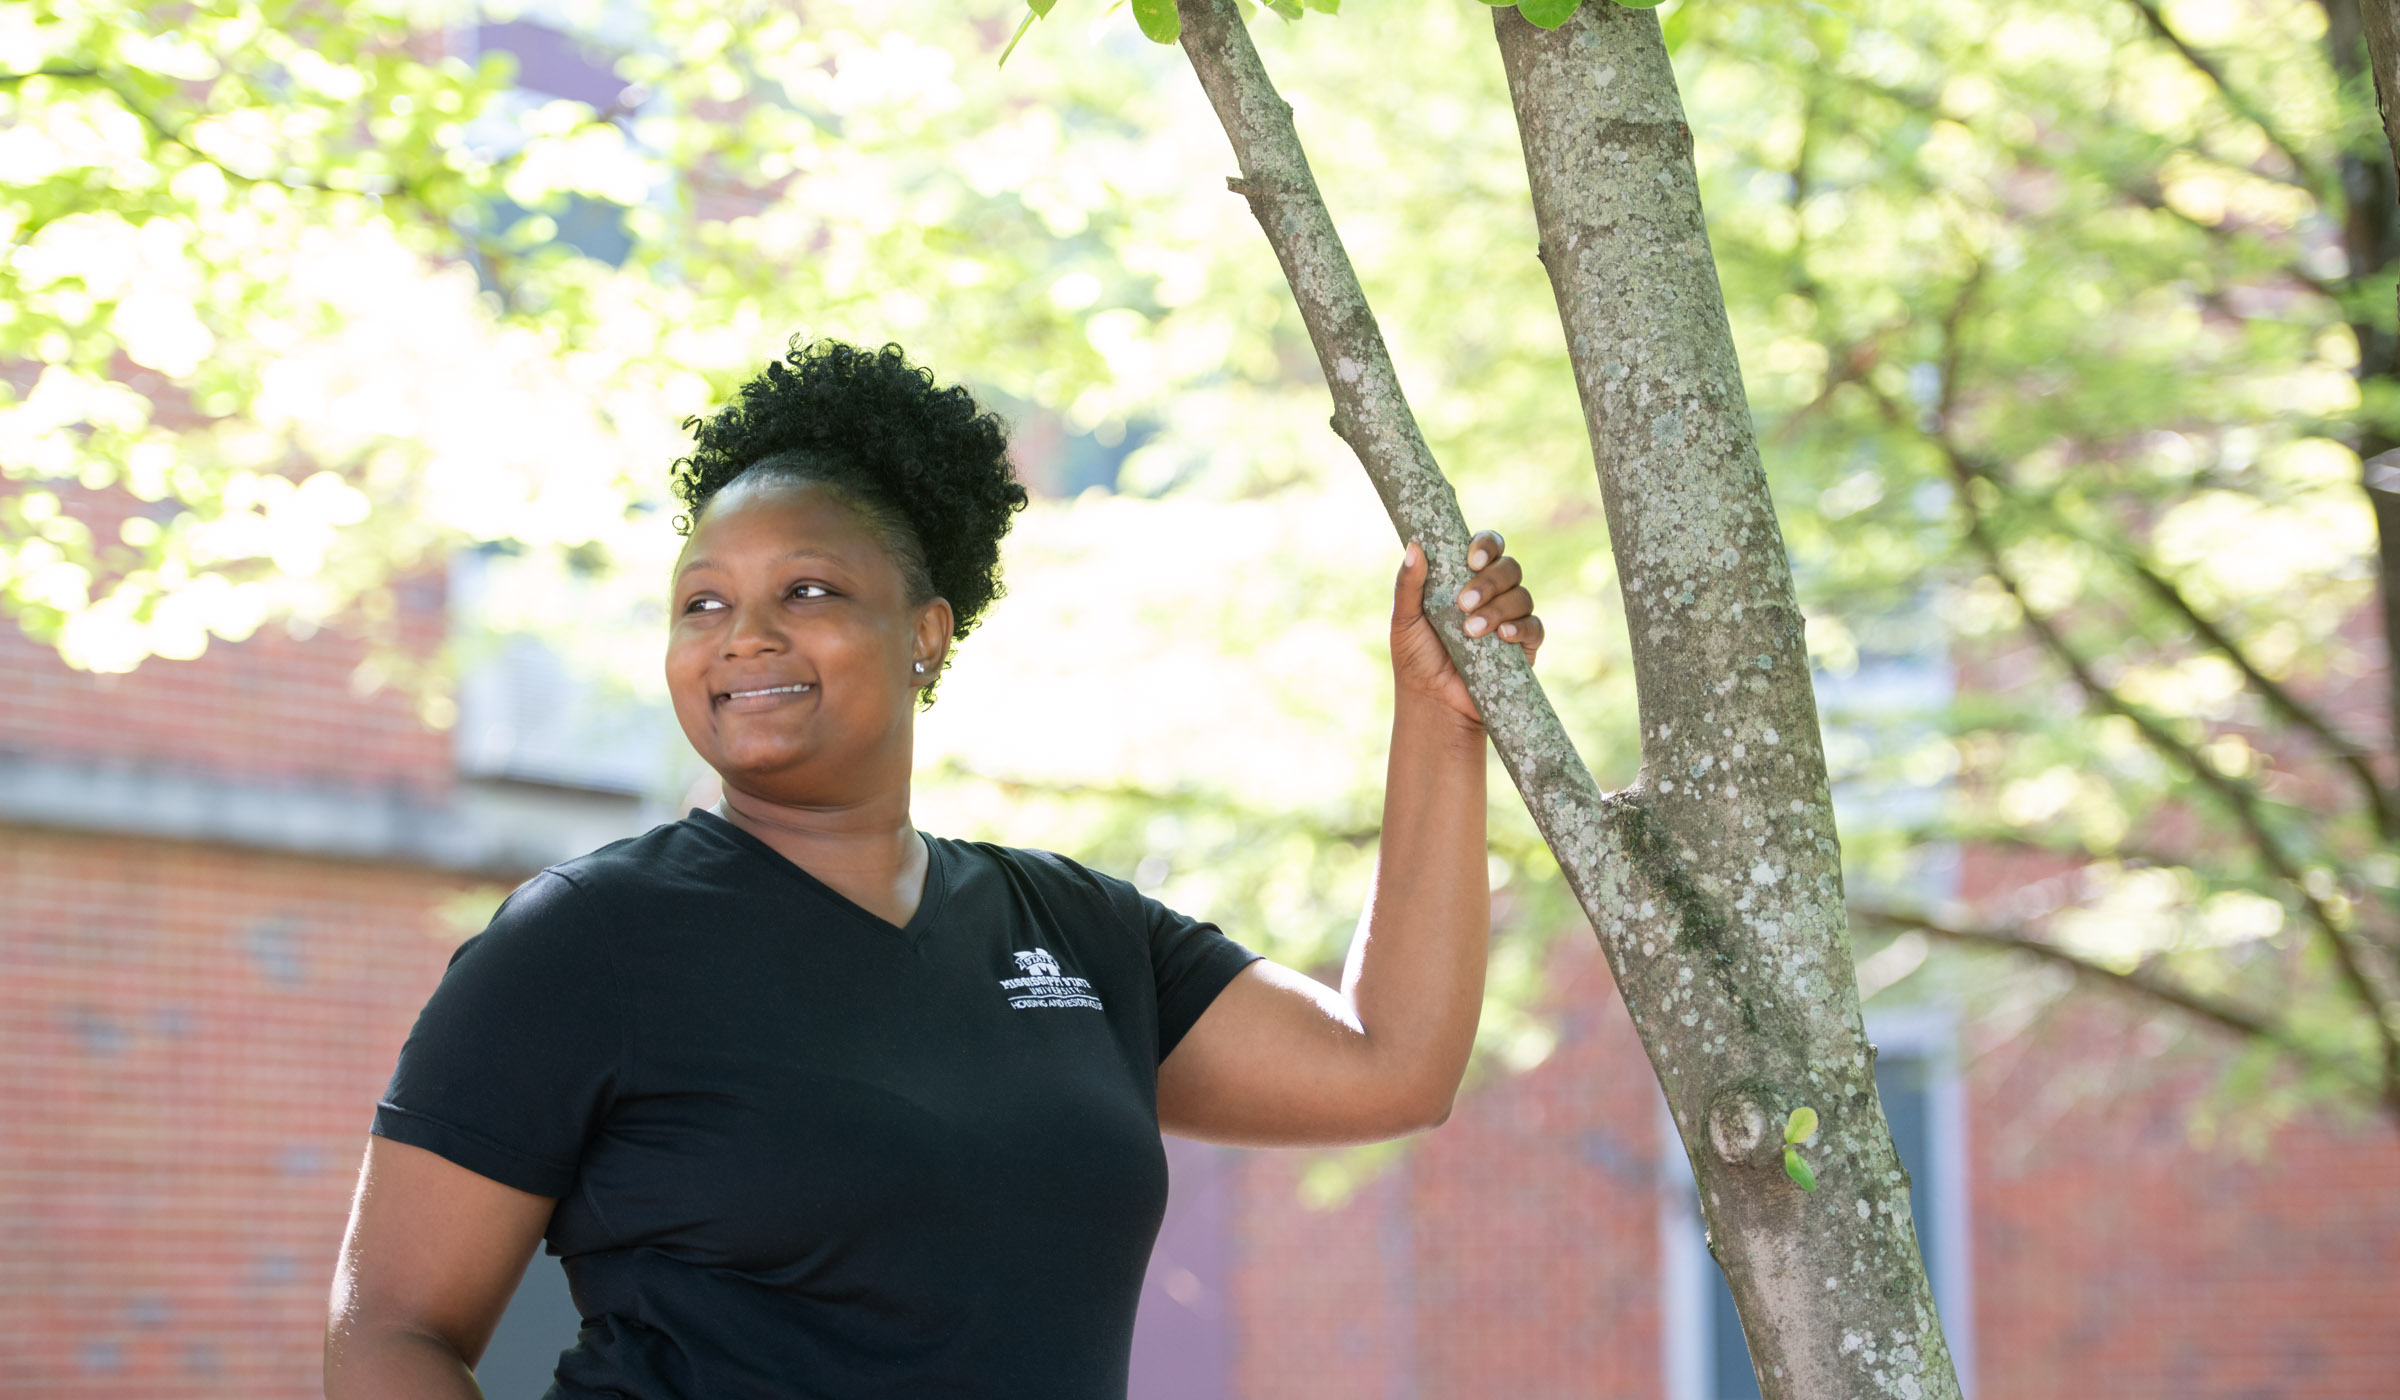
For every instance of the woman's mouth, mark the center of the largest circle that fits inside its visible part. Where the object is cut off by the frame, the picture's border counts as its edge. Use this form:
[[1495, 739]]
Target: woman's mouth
[[765, 697]]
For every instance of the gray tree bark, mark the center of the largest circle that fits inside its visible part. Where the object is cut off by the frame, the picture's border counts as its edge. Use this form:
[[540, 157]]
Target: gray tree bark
[[2366, 33], [1830, 1286], [1714, 882]]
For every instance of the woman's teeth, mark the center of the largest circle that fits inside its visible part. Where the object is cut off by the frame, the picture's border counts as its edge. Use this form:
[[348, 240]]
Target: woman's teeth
[[770, 690]]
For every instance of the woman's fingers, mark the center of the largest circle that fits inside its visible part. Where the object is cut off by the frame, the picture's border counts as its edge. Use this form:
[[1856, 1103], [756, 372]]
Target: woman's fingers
[[1495, 599], [1506, 610], [1525, 631], [1408, 589], [1489, 585]]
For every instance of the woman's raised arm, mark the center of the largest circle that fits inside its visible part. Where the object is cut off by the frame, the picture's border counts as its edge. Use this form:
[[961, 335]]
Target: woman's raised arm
[[1280, 1059], [430, 1260]]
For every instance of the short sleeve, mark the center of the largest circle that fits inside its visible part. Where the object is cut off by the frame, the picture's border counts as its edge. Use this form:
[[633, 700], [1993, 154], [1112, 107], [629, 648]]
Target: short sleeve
[[1193, 961], [515, 1058]]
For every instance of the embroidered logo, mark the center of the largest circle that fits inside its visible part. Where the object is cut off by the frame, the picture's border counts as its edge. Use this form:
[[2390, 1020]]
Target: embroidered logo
[[1043, 986]]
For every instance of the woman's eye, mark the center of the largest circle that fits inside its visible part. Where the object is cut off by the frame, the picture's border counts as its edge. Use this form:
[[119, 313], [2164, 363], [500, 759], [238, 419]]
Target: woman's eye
[[702, 605], [811, 590]]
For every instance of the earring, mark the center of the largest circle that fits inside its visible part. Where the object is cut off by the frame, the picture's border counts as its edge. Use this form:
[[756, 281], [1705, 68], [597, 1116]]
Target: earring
[[920, 668]]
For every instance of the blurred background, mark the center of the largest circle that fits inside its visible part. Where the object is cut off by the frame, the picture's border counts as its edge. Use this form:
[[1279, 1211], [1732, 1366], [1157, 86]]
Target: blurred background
[[343, 352]]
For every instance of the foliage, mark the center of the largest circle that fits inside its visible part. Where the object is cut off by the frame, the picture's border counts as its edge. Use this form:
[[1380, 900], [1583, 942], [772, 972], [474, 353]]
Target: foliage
[[2051, 340], [2047, 308], [1797, 1130], [247, 237]]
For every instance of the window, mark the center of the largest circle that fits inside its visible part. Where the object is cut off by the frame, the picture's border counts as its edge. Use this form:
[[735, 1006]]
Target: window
[[1916, 1076]]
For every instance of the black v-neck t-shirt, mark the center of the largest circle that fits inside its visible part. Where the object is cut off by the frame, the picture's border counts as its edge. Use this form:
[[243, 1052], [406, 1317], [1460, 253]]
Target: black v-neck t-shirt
[[800, 1152]]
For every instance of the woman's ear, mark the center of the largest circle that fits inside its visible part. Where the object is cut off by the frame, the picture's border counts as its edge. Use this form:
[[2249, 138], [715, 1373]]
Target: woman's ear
[[931, 642]]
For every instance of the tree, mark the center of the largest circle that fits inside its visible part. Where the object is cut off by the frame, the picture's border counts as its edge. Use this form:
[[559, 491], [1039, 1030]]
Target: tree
[[1715, 881]]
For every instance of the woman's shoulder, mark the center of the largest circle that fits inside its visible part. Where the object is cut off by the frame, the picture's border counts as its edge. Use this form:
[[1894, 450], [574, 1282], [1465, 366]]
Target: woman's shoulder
[[1044, 863], [625, 873], [1044, 869], [573, 911], [668, 855]]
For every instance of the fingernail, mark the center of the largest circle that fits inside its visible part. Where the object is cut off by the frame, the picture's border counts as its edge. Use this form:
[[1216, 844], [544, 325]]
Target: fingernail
[[1508, 629], [1478, 559], [1469, 599], [1476, 625]]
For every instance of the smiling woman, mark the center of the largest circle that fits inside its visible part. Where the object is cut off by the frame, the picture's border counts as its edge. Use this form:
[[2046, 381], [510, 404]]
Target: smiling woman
[[812, 1104], [924, 469]]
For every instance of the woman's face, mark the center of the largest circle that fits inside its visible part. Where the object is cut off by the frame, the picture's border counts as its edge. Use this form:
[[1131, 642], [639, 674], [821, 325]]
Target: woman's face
[[791, 655]]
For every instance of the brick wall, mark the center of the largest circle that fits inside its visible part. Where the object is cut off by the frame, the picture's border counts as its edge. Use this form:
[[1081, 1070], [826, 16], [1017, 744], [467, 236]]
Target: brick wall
[[1515, 1251], [191, 1043], [192, 1037], [2114, 1258], [1512, 1252], [273, 707]]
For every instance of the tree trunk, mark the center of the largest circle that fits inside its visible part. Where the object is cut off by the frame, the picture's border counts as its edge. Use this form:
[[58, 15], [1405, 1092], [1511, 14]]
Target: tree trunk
[[1831, 1290], [2364, 34], [1714, 883]]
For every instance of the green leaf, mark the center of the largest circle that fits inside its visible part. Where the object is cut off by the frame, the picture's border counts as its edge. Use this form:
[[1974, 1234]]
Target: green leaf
[[1022, 25], [1644, 5], [1158, 19], [1036, 9], [1326, 7], [1287, 10], [1801, 1126], [1798, 1170], [1548, 14]]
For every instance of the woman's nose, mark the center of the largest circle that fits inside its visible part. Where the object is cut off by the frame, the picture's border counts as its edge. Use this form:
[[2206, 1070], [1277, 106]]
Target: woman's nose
[[754, 630]]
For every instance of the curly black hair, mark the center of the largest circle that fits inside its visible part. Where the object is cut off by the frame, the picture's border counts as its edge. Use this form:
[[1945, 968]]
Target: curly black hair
[[923, 464]]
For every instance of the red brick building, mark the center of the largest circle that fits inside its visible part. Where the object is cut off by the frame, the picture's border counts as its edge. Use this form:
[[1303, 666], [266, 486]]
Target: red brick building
[[226, 885]]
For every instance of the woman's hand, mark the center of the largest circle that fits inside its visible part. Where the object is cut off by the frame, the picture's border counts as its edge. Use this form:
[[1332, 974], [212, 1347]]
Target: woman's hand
[[1495, 602]]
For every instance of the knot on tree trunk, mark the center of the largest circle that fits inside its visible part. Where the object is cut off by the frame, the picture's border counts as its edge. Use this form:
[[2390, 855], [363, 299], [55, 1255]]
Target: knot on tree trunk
[[1742, 1130]]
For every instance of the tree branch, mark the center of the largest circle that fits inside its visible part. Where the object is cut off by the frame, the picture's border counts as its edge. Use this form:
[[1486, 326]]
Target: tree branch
[[12, 79], [158, 125], [2239, 799], [2225, 1015], [1372, 415], [2151, 198], [2351, 755], [2278, 698], [2242, 106]]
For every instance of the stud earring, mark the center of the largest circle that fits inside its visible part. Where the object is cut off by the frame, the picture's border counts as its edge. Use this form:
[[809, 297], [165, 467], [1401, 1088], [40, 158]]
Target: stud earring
[[920, 668]]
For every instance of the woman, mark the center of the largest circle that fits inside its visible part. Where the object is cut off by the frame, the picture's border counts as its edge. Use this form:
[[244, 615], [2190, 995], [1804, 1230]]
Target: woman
[[814, 1105]]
